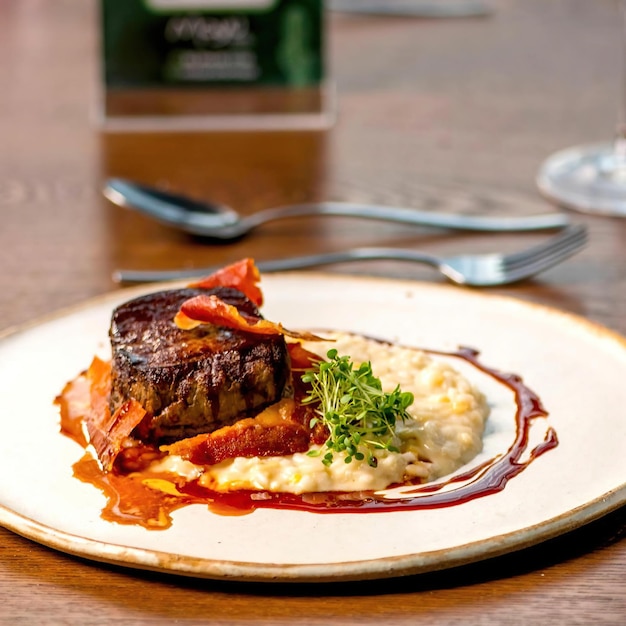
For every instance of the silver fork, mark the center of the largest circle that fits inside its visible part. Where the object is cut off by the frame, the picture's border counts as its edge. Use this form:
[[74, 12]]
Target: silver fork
[[475, 270]]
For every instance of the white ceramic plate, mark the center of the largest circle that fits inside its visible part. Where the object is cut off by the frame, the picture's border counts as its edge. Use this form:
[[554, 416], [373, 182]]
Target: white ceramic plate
[[576, 368]]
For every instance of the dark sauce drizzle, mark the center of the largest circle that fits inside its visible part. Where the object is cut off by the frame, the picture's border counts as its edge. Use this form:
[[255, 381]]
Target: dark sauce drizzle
[[131, 499]]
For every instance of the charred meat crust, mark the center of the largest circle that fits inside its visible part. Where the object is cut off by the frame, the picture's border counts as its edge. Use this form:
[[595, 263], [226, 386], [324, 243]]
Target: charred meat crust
[[192, 381]]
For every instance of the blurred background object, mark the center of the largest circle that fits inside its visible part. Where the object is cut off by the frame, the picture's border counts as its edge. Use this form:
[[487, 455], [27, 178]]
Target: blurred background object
[[592, 178], [415, 8], [199, 64]]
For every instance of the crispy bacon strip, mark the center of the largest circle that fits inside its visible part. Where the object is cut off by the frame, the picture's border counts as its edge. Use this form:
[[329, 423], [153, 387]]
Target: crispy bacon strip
[[243, 275], [274, 432], [205, 309], [107, 432], [244, 439]]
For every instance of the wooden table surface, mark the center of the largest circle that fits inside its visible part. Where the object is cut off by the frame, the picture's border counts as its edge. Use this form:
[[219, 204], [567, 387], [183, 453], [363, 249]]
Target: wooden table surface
[[448, 115]]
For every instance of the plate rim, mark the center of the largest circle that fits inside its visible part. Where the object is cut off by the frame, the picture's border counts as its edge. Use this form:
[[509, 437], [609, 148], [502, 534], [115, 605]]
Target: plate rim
[[480, 292], [342, 571]]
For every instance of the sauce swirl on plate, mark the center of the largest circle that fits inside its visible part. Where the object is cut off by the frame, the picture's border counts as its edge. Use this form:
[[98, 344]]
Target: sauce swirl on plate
[[148, 498]]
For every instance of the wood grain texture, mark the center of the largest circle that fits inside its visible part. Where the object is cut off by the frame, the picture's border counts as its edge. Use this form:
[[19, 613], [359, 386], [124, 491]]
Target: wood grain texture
[[446, 115]]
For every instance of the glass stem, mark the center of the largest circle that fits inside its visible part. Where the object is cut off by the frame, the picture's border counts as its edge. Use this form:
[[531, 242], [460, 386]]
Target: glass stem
[[620, 139]]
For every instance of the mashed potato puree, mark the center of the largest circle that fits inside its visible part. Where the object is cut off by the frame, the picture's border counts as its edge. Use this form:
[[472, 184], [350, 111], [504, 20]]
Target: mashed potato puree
[[448, 413]]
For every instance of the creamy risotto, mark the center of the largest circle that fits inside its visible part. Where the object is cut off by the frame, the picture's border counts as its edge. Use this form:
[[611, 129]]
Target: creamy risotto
[[445, 432]]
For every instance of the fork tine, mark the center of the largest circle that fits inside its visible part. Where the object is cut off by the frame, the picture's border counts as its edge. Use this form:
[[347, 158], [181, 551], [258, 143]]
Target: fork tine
[[548, 257], [574, 236]]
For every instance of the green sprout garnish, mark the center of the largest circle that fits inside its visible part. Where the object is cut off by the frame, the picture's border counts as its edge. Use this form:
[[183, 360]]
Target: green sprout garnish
[[359, 415]]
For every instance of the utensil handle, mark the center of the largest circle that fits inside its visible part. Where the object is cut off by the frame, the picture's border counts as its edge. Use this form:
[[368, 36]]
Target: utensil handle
[[282, 265], [401, 215]]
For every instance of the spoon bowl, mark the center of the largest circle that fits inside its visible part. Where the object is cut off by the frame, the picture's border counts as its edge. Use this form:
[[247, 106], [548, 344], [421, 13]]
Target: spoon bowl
[[221, 223], [183, 212]]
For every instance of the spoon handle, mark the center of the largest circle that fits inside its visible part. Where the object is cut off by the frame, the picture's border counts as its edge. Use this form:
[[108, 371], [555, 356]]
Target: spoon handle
[[401, 215]]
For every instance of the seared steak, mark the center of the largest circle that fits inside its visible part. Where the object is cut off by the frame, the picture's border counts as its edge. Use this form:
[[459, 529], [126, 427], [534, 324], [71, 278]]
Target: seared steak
[[192, 381]]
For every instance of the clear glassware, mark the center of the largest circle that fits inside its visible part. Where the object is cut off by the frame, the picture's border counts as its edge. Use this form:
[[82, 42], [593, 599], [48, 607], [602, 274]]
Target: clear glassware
[[591, 178]]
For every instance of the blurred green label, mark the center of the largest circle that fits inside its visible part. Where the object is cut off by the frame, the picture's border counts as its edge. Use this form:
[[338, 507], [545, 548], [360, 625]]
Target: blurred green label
[[212, 42]]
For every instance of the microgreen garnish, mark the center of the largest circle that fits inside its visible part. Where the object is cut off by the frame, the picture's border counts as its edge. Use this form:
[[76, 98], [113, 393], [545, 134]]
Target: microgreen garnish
[[359, 415]]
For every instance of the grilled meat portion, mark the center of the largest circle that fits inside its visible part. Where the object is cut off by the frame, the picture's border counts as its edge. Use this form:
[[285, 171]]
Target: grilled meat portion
[[192, 381]]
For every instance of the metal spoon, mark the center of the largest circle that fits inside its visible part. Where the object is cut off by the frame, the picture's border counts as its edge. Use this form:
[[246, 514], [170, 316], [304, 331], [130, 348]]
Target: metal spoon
[[223, 223]]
